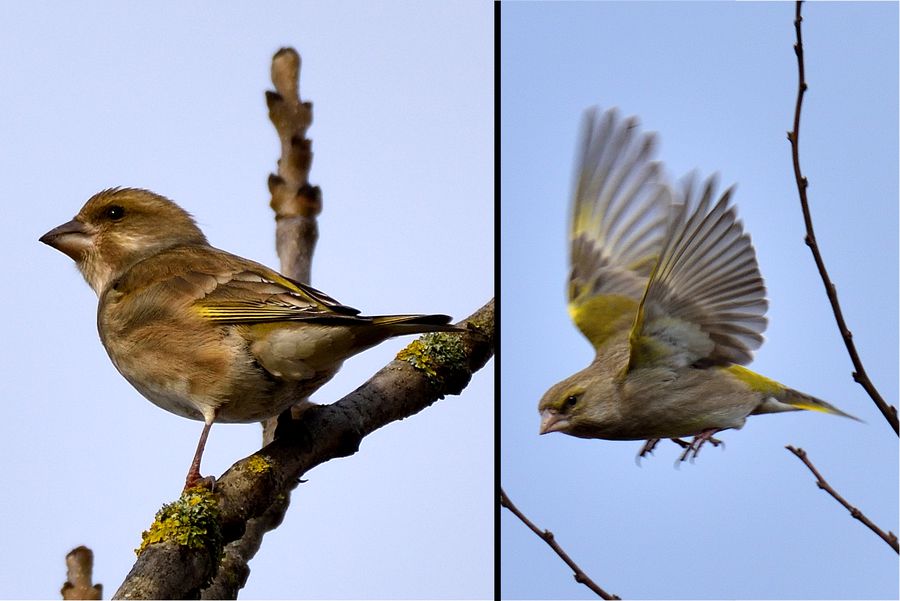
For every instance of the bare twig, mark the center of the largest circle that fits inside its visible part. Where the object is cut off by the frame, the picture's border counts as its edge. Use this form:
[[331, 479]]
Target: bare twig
[[859, 374], [296, 204], [888, 537], [79, 573], [548, 538]]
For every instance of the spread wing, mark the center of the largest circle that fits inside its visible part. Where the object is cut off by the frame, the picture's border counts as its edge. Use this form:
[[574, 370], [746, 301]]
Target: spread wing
[[705, 302], [618, 223]]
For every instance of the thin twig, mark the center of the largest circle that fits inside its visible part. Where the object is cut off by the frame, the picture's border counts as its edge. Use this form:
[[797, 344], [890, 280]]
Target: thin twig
[[888, 537], [548, 538], [295, 201], [296, 204], [859, 374]]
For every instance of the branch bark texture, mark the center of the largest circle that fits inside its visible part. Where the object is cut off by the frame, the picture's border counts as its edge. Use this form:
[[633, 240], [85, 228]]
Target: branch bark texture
[[79, 572], [296, 203]]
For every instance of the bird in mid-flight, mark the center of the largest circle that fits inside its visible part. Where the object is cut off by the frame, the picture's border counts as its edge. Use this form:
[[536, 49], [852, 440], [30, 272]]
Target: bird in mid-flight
[[665, 285]]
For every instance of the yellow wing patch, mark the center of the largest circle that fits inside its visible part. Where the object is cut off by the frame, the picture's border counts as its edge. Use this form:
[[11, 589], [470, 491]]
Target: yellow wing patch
[[601, 317], [251, 312]]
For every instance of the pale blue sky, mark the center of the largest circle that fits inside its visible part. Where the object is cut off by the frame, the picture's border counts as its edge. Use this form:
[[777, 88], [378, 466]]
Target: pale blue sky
[[718, 82], [170, 96]]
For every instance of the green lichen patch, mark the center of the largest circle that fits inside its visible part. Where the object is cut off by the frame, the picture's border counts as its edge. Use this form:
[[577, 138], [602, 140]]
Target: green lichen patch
[[433, 353], [191, 521]]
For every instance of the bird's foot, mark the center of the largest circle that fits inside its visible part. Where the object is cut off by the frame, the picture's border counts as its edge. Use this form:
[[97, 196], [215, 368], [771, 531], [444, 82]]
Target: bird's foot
[[198, 481], [651, 443], [647, 449], [194, 478], [693, 448]]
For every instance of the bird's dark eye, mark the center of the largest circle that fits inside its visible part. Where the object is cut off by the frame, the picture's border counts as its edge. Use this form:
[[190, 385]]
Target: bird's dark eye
[[114, 212], [571, 400]]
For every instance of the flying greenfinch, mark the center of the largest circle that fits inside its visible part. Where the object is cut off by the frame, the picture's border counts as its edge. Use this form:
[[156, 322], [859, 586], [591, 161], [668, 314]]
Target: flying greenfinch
[[666, 287], [203, 333]]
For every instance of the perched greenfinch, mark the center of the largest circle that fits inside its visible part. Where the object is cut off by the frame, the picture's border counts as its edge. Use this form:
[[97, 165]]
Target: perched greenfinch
[[203, 333], [666, 287]]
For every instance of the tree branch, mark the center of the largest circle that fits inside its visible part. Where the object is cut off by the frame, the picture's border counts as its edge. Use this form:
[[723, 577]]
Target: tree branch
[[548, 538], [888, 537], [79, 574], [859, 374], [167, 569]]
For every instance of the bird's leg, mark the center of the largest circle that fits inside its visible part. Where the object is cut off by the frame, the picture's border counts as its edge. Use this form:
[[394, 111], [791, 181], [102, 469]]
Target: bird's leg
[[193, 476], [651, 443], [648, 447], [694, 447]]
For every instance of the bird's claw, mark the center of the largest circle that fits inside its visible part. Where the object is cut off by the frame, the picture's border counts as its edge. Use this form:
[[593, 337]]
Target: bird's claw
[[693, 448], [647, 449], [651, 443], [198, 481]]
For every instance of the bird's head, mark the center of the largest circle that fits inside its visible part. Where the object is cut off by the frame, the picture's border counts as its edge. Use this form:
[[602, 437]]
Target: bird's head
[[584, 404], [118, 227]]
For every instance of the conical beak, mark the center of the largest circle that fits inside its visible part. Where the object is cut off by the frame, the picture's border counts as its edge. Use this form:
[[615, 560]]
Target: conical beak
[[552, 421], [72, 238]]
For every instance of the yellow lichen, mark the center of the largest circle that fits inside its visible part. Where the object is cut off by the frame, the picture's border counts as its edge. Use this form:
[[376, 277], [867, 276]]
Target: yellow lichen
[[259, 464], [191, 521]]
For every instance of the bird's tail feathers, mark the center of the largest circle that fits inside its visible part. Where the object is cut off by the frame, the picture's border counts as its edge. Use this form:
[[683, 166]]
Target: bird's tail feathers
[[794, 400], [399, 325]]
